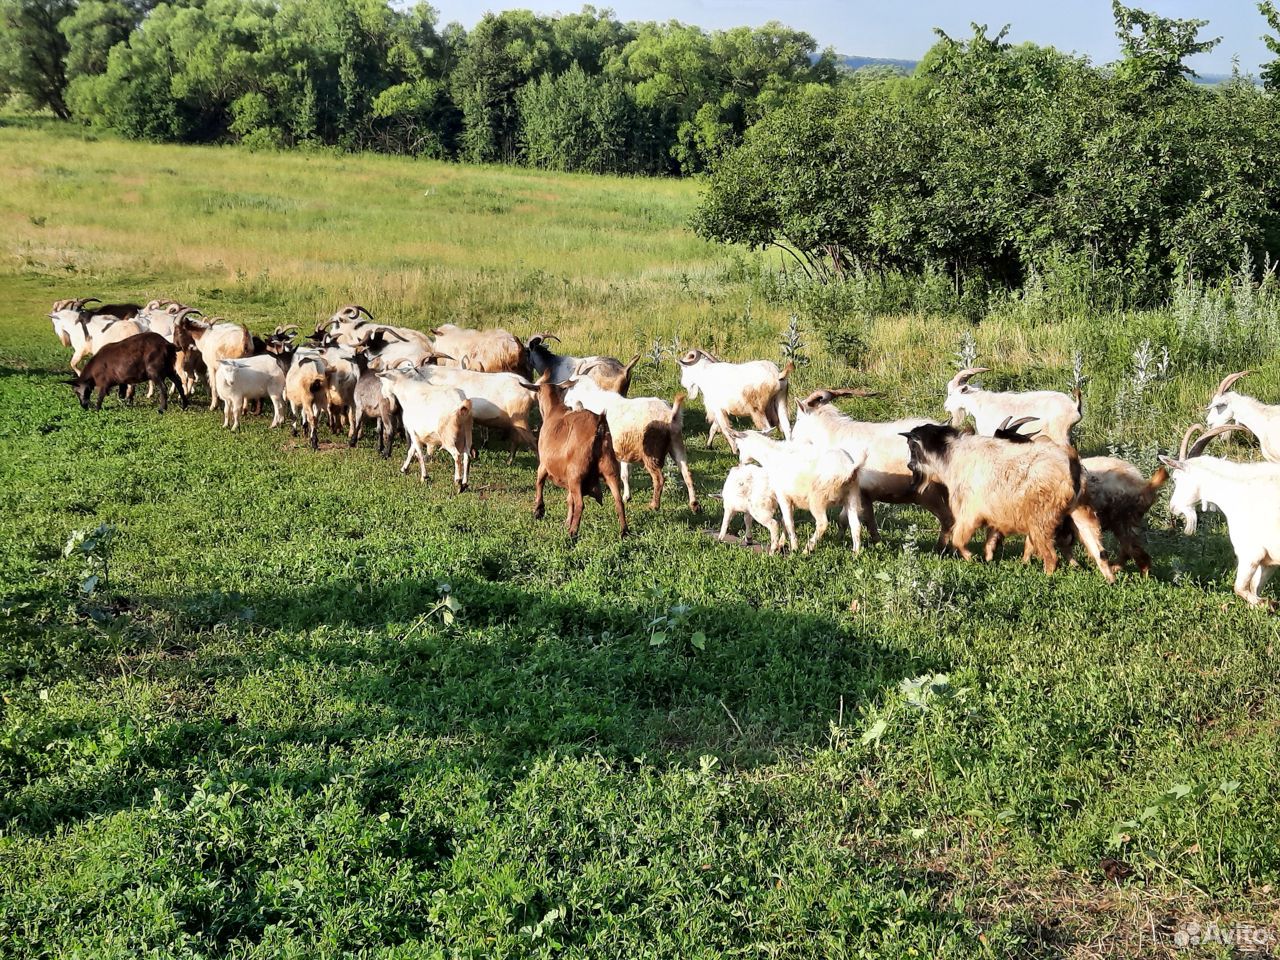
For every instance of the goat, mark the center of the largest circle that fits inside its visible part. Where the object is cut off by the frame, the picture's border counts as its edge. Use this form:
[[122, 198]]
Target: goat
[[252, 378], [1263, 420], [213, 342], [99, 331], [810, 477], [886, 475], [486, 351], [1056, 412], [747, 491], [433, 416], [145, 357], [306, 389], [575, 451], [388, 348], [347, 329], [607, 373], [371, 400], [756, 389], [1248, 494], [644, 430], [500, 401], [1032, 489], [1117, 493]]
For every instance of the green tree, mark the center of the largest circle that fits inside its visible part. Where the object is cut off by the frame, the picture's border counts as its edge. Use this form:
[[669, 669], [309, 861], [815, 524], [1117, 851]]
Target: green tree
[[1271, 69], [577, 121], [1156, 48], [33, 51]]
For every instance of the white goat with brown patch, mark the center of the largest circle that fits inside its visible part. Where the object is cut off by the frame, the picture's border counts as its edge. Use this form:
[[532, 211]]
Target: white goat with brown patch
[[1262, 419], [500, 401], [214, 341], [1053, 414], [306, 390], [644, 430], [608, 373], [756, 389], [807, 477], [885, 476]]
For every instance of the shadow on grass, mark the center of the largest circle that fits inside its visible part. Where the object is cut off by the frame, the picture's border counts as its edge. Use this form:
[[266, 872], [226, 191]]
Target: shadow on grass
[[519, 675]]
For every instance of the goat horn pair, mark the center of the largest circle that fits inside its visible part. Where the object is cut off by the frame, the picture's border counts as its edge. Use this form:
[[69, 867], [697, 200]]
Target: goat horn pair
[[1203, 440], [281, 331], [1229, 382], [1011, 424], [352, 311], [964, 376], [539, 337], [186, 312], [61, 305]]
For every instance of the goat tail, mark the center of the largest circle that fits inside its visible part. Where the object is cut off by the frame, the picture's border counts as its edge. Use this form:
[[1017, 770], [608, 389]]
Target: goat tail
[[1158, 480], [631, 364], [787, 370], [1079, 398], [677, 405]]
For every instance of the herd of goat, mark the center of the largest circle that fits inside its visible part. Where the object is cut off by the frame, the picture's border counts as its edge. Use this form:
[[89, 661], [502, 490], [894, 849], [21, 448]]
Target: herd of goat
[[1014, 472]]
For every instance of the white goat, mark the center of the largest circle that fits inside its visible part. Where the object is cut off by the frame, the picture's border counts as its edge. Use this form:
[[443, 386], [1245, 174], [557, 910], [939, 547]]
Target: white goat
[[213, 341], [644, 430], [747, 491], [306, 389], [809, 477], [489, 351], [1248, 494], [886, 475], [251, 378], [434, 416], [756, 389], [1262, 419], [1053, 414], [500, 401]]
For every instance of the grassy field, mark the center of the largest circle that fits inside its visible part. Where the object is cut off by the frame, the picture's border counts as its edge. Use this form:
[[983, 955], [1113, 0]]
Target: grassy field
[[262, 734]]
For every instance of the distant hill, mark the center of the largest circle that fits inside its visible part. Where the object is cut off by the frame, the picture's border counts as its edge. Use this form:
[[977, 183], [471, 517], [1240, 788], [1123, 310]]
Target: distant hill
[[856, 63], [909, 66]]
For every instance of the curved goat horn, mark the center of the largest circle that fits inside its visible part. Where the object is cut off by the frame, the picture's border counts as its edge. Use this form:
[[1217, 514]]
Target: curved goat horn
[[1186, 439], [280, 331], [388, 332], [1229, 382], [186, 312], [1011, 424], [963, 377], [1203, 441]]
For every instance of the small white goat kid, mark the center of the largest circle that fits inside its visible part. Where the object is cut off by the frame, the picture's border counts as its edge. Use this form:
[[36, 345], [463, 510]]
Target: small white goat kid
[[747, 491], [812, 478], [1248, 494]]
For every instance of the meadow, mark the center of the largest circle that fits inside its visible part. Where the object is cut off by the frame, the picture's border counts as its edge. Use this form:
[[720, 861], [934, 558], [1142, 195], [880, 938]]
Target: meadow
[[285, 703]]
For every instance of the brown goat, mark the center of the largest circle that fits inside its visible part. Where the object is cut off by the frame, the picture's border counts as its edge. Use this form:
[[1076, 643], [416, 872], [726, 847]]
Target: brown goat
[[1117, 493], [575, 450], [1032, 489], [146, 356]]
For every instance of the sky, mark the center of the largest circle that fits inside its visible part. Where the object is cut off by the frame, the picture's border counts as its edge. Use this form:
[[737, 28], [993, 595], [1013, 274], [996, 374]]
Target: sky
[[903, 29]]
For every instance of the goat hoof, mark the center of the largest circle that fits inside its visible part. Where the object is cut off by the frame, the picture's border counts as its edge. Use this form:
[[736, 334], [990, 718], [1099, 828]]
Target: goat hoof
[[695, 507]]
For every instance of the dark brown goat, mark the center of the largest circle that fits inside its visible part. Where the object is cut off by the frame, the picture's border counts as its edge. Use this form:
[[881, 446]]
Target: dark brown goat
[[575, 450], [136, 359]]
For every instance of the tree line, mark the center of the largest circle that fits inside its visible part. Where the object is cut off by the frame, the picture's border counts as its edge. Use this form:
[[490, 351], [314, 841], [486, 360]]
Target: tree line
[[580, 91], [993, 165]]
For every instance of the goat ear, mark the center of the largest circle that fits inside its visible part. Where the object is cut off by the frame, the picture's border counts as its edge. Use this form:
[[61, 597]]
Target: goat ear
[[528, 386]]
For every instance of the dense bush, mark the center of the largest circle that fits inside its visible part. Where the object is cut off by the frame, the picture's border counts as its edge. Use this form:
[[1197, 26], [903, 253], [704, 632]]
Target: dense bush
[[998, 163]]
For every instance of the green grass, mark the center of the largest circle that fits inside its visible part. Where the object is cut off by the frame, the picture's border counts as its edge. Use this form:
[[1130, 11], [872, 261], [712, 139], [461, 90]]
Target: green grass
[[262, 737]]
